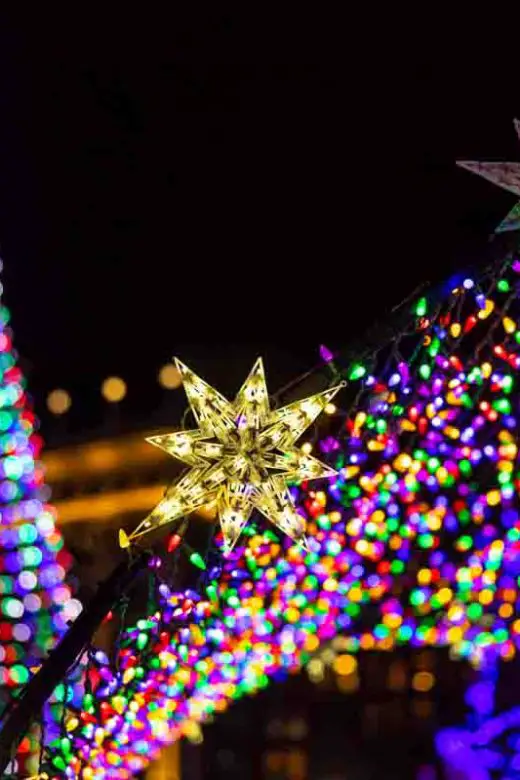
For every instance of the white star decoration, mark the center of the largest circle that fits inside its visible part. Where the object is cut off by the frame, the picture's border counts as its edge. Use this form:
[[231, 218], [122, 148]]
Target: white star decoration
[[505, 175], [242, 455]]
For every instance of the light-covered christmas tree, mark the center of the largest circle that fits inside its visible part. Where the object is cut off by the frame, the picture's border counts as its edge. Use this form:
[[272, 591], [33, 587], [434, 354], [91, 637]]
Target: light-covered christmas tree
[[35, 600]]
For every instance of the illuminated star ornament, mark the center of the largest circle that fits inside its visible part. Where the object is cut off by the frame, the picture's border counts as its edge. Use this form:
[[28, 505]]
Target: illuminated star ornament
[[242, 455], [505, 175]]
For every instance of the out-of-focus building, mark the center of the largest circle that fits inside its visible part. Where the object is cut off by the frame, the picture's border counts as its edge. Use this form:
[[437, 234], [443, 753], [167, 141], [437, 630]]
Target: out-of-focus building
[[369, 717]]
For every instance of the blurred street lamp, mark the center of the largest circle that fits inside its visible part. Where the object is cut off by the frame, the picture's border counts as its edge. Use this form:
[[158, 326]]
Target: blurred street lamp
[[113, 389], [58, 401], [170, 377]]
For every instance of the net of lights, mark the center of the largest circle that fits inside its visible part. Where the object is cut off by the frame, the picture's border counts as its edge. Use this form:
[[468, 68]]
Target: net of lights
[[415, 543], [35, 601]]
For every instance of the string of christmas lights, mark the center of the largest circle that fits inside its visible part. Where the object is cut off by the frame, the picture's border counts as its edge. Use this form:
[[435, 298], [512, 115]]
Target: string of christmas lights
[[416, 541], [35, 600]]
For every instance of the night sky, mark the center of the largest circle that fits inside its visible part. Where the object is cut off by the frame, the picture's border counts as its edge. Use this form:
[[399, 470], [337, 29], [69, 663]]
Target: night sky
[[228, 186]]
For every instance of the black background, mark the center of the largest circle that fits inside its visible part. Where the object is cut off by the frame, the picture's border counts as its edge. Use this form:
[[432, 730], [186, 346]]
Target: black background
[[235, 184]]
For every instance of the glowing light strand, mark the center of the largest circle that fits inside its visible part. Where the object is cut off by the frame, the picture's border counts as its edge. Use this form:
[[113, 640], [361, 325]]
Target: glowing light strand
[[426, 499]]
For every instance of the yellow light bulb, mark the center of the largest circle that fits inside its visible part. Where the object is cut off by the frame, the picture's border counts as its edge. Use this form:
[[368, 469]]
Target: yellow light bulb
[[509, 325], [486, 311], [71, 723]]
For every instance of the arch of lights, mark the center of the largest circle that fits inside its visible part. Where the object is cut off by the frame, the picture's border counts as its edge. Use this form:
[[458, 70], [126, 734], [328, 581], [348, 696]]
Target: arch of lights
[[416, 542]]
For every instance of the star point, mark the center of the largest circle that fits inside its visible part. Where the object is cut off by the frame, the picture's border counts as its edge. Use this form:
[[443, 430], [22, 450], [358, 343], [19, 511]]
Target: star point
[[241, 456], [505, 175]]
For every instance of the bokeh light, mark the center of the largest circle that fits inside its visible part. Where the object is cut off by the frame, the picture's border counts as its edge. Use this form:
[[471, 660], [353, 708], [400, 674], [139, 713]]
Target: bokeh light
[[423, 681], [113, 389], [59, 401], [170, 377]]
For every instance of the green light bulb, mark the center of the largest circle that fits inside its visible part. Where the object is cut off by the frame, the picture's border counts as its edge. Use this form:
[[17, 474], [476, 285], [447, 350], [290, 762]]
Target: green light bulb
[[357, 371], [421, 307], [198, 561]]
